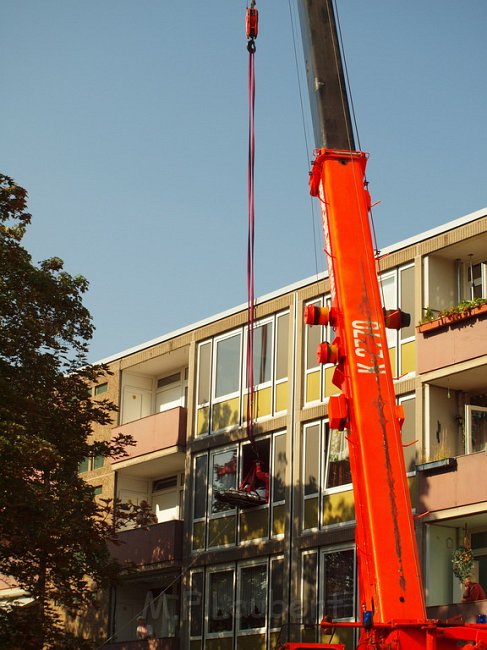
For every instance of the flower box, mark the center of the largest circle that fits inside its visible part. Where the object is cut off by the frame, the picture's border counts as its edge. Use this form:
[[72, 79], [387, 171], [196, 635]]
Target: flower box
[[451, 319]]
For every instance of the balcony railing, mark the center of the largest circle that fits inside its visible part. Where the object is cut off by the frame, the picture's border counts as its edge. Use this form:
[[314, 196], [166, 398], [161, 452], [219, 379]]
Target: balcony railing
[[155, 432], [447, 341], [466, 612], [141, 547]]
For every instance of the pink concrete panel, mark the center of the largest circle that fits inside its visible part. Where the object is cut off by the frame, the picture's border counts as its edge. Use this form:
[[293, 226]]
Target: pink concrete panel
[[151, 545], [155, 432], [464, 486], [452, 343]]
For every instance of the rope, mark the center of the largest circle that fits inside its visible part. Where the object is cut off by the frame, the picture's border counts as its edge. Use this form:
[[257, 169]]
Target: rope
[[250, 243]]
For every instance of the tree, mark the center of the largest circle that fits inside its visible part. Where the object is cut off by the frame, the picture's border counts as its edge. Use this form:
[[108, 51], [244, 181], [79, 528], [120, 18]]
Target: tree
[[52, 531]]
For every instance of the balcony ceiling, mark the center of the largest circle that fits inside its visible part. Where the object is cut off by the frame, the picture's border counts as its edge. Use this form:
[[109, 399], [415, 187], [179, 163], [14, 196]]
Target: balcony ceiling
[[163, 364], [475, 246], [152, 468], [474, 522], [473, 380]]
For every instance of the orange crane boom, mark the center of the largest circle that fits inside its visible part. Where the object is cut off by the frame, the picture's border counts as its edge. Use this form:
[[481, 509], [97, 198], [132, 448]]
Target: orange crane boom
[[390, 582], [392, 606]]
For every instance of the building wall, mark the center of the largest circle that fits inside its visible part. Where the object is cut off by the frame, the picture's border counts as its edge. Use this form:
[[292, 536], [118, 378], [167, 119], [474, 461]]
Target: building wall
[[283, 557]]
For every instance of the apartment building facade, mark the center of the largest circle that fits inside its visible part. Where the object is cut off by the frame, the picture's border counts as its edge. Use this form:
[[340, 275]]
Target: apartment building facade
[[215, 576]]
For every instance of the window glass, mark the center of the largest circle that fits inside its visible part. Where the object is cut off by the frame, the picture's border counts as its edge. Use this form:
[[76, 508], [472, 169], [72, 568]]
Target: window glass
[[309, 577], [249, 457], [280, 464], [97, 490], [330, 332], [175, 378], [200, 489], [338, 583], [98, 461], [407, 300], [204, 373], [262, 354], [227, 366], [164, 483], [478, 428], [220, 601], [223, 476], [282, 347], [276, 595], [475, 281], [83, 465], [253, 597], [338, 465], [196, 604], [101, 388], [311, 459], [389, 297]]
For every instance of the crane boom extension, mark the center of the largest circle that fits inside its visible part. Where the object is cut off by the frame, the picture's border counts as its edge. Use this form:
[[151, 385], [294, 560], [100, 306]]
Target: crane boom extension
[[330, 111], [392, 606]]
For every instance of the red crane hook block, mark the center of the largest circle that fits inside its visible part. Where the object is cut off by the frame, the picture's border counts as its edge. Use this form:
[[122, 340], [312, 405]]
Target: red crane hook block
[[252, 23]]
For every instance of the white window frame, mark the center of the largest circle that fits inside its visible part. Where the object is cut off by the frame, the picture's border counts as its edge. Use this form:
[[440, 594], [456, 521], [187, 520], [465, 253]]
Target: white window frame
[[272, 559], [309, 371], [207, 404], [255, 630], [213, 453], [329, 550], [203, 605], [203, 519], [216, 341], [483, 280], [314, 495], [271, 484], [226, 633], [327, 333], [317, 585], [201, 345], [391, 335], [268, 383], [325, 442], [264, 506], [282, 380], [468, 426], [400, 400], [401, 269]]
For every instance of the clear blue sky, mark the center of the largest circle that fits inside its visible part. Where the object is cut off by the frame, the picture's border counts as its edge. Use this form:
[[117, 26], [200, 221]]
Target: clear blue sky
[[126, 122]]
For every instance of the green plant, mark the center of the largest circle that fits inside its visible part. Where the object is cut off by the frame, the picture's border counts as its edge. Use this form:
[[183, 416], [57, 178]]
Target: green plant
[[429, 314], [462, 307]]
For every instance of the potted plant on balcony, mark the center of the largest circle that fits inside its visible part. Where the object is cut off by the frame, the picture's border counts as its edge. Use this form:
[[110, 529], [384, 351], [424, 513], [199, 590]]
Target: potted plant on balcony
[[466, 309]]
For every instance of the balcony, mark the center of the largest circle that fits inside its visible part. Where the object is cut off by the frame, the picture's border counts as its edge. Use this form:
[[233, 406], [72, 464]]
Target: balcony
[[451, 489], [152, 644], [165, 431], [142, 547], [448, 341]]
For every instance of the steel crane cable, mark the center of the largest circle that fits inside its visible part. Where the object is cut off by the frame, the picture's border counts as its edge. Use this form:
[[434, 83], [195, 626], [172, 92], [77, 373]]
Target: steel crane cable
[[357, 134], [305, 133]]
